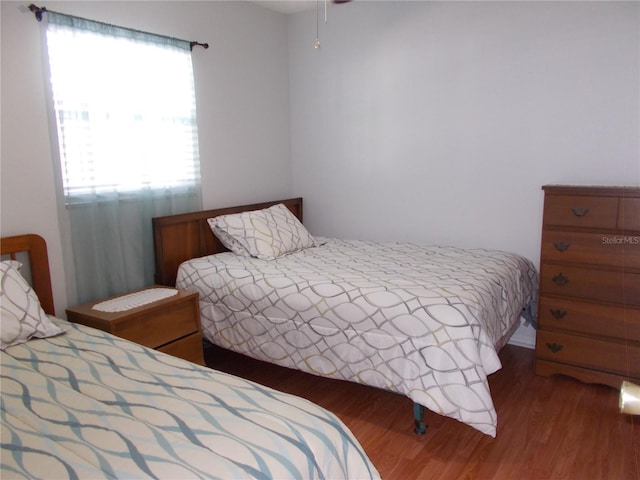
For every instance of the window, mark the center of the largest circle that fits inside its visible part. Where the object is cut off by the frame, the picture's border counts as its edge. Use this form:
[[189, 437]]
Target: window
[[127, 145], [124, 108]]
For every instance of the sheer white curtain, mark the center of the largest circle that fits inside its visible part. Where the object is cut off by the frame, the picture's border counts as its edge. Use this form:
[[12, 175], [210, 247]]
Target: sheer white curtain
[[126, 131]]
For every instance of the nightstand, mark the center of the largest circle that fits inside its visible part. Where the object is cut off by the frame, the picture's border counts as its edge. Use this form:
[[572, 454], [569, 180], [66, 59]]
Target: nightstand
[[170, 325]]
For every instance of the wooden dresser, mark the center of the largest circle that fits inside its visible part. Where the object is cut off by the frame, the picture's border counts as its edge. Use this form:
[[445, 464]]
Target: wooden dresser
[[589, 305]]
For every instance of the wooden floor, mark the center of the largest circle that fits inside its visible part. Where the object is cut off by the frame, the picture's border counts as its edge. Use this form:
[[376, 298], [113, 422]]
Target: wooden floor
[[548, 428]]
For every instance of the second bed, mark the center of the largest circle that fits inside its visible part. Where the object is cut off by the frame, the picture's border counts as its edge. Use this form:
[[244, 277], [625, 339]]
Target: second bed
[[423, 321]]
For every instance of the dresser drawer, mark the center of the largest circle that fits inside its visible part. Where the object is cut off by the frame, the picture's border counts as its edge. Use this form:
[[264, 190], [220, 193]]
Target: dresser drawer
[[591, 248], [629, 214], [615, 357], [593, 284], [581, 211], [610, 321]]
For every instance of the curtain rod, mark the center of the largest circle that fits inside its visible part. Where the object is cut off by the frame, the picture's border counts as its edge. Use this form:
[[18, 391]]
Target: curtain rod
[[39, 11]]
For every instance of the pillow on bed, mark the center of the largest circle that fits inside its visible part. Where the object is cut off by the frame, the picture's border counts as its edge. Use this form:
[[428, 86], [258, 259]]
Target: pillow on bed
[[266, 234], [21, 316]]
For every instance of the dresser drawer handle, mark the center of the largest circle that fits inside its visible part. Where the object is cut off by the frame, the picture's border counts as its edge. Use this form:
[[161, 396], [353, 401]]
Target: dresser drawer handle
[[554, 347], [580, 211], [560, 279], [561, 246], [557, 313]]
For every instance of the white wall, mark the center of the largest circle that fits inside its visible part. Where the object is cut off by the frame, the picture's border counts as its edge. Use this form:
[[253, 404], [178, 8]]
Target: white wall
[[438, 122], [433, 122], [242, 99]]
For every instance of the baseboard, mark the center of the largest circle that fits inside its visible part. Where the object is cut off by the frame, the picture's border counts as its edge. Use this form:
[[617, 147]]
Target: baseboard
[[524, 336]]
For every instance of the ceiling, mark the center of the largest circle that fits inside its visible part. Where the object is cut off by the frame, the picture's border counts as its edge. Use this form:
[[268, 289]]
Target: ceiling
[[287, 6]]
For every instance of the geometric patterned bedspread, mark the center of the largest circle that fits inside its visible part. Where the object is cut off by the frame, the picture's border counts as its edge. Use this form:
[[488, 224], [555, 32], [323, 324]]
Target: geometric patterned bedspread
[[86, 404], [423, 321]]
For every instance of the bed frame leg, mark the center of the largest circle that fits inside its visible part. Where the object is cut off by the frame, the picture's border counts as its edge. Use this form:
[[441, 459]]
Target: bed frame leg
[[420, 426]]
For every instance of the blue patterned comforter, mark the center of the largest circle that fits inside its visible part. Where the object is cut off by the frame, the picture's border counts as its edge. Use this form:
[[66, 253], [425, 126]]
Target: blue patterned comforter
[[86, 404]]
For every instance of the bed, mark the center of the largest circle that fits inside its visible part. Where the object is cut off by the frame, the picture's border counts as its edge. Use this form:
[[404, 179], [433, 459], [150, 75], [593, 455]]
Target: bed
[[423, 321], [81, 403]]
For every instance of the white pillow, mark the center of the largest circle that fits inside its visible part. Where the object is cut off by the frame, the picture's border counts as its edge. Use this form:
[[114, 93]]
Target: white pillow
[[266, 234], [21, 316]]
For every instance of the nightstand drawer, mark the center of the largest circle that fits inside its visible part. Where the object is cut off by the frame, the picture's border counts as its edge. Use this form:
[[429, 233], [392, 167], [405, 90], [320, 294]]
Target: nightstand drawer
[[159, 326], [189, 348]]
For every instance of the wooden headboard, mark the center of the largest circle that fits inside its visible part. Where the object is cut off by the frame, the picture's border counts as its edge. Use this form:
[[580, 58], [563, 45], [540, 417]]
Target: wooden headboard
[[178, 238], [36, 249]]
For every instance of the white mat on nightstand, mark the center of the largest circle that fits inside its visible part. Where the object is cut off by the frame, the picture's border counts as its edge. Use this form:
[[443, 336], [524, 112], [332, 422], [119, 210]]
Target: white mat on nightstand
[[134, 300]]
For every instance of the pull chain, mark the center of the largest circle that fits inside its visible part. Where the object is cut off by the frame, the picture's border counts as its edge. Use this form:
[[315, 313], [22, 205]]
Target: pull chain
[[316, 45]]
